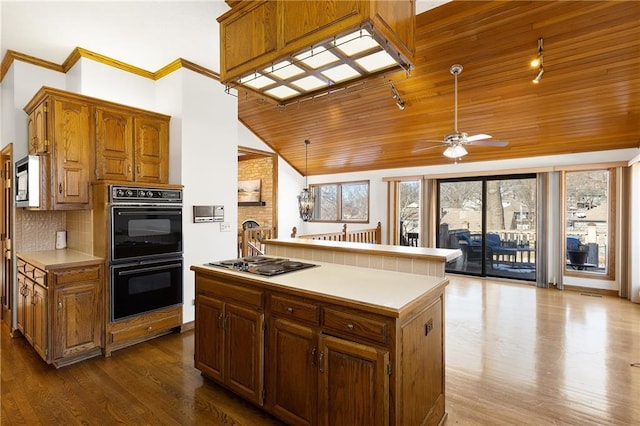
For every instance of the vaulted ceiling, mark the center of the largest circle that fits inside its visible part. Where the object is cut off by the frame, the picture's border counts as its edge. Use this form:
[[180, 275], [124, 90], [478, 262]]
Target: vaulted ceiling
[[588, 99]]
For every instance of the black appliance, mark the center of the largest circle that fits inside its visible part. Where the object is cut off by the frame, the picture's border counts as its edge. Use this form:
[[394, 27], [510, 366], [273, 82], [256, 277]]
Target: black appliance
[[145, 286], [146, 243], [263, 265]]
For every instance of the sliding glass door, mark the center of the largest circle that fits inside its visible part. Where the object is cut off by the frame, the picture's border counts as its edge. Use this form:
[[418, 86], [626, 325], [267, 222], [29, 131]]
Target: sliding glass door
[[492, 220]]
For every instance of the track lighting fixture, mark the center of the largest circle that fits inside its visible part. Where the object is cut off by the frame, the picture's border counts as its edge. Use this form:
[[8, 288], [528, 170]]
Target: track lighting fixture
[[395, 95], [538, 62]]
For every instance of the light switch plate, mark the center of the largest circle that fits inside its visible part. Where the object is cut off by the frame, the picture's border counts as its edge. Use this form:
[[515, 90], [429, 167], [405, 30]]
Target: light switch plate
[[225, 227]]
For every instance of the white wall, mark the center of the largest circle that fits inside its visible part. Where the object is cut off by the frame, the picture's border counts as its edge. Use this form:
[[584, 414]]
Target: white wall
[[634, 237]]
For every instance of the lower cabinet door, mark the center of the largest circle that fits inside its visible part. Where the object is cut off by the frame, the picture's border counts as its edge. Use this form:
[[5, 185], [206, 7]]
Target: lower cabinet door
[[292, 376], [244, 352], [209, 340], [77, 315], [40, 321], [353, 383]]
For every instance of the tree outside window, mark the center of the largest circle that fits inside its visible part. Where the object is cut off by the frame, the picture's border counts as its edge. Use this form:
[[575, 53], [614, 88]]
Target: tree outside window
[[341, 202]]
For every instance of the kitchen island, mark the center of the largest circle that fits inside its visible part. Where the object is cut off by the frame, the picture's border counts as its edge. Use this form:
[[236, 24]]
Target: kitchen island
[[335, 344]]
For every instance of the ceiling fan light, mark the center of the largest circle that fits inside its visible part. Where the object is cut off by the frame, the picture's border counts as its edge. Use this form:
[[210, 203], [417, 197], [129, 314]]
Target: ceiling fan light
[[455, 151]]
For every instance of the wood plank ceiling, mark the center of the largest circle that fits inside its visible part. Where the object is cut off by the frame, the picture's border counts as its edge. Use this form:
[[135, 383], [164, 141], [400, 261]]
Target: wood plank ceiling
[[588, 99]]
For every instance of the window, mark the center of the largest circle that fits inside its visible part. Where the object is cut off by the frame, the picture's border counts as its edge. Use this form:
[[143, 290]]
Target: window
[[588, 221], [409, 212], [492, 220], [341, 202]]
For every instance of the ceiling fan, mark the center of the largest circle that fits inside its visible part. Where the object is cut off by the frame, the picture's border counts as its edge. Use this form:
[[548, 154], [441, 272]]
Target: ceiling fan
[[456, 141]]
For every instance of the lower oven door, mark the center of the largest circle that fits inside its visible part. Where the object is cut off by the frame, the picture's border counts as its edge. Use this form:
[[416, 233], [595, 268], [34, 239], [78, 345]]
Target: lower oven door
[[142, 287]]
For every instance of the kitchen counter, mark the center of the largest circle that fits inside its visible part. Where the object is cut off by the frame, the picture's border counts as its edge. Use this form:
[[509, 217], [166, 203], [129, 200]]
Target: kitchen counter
[[442, 255], [336, 329], [414, 260], [50, 260], [388, 291]]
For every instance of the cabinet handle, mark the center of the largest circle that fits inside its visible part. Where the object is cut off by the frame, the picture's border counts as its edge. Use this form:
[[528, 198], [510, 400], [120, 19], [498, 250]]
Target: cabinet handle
[[60, 188], [313, 357], [290, 309], [129, 168], [59, 306], [221, 321], [350, 327], [137, 169], [320, 360], [149, 329]]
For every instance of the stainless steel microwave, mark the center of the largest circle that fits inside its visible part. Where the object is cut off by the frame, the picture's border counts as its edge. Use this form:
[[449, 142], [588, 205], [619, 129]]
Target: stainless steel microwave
[[27, 182]]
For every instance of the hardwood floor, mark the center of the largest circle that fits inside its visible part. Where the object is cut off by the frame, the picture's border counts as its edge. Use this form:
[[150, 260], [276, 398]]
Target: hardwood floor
[[515, 355]]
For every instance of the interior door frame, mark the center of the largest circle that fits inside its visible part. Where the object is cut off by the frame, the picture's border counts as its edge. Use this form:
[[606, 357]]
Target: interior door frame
[[6, 235]]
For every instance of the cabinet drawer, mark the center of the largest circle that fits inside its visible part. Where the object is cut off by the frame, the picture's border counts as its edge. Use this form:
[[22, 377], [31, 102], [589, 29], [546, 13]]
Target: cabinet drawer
[[294, 308], [145, 326], [356, 325], [238, 293], [30, 271], [77, 275]]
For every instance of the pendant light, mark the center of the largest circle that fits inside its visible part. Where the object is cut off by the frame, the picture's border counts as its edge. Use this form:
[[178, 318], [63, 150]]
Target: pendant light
[[306, 200]]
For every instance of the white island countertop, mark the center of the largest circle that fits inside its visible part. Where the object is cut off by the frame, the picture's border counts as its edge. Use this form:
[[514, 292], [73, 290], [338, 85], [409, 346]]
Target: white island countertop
[[388, 291], [437, 254]]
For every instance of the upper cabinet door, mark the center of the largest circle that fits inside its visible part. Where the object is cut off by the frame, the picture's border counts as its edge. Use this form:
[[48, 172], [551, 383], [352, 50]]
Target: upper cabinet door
[[114, 144], [72, 142], [37, 130], [151, 150]]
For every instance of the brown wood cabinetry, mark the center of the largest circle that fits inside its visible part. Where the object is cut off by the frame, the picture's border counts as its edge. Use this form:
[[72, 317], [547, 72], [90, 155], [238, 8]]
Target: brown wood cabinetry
[[257, 33], [81, 139], [59, 129], [229, 342], [326, 361], [60, 311], [131, 146]]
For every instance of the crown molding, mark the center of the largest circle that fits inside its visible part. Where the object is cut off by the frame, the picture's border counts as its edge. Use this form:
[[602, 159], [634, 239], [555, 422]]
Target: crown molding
[[79, 52]]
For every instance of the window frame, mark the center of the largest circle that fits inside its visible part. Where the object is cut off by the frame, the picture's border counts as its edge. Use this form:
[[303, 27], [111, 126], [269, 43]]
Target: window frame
[[314, 190], [611, 225]]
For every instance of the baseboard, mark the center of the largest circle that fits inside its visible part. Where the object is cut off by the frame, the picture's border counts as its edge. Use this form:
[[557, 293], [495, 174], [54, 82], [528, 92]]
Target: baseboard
[[588, 290], [187, 326]]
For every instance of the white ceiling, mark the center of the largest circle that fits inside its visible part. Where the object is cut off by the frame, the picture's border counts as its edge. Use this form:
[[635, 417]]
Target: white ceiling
[[145, 34]]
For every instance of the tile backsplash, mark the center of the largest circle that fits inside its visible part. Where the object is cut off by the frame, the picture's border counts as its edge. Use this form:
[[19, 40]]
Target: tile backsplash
[[36, 230]]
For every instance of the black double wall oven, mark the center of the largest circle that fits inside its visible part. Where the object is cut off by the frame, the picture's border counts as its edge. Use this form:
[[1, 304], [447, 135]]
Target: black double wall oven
[[146, 252]]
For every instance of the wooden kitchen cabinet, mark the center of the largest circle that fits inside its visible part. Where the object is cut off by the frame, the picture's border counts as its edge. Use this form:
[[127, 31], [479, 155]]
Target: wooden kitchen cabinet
[[326, 361], [114, 144], [151, 150], [59, 129], [82, 139], [59, 311], [353, 383], [37, 130], [32, 313], [229, 341], [131, 146], [77, 325]]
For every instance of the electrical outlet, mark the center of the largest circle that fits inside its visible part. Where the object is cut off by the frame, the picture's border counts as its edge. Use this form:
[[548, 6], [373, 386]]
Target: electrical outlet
[[225, 227]]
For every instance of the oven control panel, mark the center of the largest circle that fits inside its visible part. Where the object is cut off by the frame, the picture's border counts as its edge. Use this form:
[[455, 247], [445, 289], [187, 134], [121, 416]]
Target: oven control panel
[[130, 194]]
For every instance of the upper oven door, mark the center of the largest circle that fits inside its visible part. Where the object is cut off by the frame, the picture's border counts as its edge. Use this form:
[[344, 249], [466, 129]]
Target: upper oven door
[[140, 232]]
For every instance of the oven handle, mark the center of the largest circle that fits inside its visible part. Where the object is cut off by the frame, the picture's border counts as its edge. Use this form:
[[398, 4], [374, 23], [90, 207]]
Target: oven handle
[[149, 269], [155, 212]]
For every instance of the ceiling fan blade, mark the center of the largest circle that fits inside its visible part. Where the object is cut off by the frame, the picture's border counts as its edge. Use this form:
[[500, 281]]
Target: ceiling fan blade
[[478, 137], [440, 144], [489, 143]]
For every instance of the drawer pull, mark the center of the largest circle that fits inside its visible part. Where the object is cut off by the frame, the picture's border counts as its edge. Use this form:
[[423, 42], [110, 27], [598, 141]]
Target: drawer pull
[[290, 309], [350, 327], [149, 328]]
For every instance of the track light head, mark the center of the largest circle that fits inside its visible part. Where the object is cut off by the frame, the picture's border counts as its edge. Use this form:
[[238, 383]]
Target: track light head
[[538, 77], [396, 96]]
